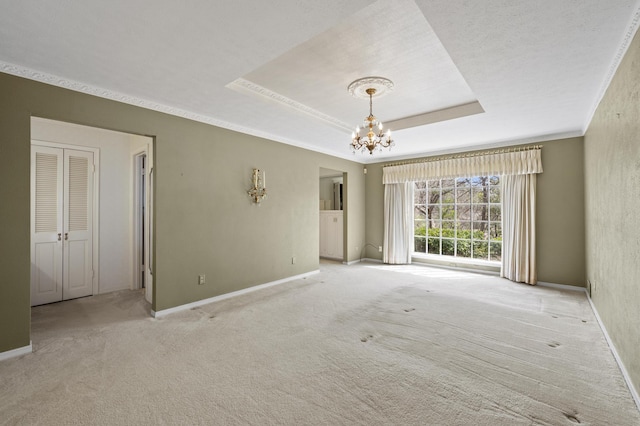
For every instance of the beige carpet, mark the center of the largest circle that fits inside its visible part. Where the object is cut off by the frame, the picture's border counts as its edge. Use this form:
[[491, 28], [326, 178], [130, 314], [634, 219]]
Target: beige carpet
[[365, 344]]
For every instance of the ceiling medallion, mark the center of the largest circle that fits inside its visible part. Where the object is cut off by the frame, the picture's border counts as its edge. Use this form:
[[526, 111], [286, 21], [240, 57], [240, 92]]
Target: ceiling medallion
[[363, 88]]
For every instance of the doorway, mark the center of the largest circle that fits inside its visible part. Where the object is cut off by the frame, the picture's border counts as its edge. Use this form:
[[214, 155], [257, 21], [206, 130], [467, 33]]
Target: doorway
[[116, 244], [332, 206]]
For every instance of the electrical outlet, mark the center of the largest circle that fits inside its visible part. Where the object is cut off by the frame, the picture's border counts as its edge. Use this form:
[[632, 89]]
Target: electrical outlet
[[379, 249], [201, 279], [293, 260]]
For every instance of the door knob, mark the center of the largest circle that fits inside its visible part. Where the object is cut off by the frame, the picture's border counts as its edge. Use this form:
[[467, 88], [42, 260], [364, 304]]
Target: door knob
[[66, 236], [59, 236]]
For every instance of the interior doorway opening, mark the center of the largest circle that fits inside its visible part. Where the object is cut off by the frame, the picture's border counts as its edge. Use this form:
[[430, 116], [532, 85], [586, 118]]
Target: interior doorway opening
[[119, 222], [332, 214]]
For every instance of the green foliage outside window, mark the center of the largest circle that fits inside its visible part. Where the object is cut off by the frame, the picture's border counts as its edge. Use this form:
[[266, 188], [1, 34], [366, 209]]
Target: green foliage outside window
[[459, 217]]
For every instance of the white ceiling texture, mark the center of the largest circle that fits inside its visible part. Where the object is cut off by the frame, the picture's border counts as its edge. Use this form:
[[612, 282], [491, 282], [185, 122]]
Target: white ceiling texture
[[467, 74]]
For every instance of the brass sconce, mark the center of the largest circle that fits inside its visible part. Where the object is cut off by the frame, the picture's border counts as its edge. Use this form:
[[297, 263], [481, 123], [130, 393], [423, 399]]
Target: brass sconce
[[258, 191]]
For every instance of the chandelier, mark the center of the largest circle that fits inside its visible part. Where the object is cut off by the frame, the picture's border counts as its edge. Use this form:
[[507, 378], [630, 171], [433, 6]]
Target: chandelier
[[374, 136]]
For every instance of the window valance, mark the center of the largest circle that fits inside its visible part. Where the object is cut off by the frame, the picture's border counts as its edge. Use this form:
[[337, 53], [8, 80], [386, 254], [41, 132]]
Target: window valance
[[522, 162]]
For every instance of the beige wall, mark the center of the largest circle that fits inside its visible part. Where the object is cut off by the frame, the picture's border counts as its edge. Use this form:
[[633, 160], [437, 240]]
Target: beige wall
[[612, 183], [559, 212], [204, 222]]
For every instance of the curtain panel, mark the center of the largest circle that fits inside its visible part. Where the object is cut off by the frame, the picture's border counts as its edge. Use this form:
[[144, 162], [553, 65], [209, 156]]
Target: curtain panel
[[519, 228], [491, 164], [397, 242]]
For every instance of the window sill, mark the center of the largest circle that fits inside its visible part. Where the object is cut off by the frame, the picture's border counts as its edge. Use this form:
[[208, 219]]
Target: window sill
[[457, 262]]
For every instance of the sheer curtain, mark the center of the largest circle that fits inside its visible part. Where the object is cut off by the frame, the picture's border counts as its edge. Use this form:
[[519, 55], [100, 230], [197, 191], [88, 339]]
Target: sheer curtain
[[398, 223], [519, 228]]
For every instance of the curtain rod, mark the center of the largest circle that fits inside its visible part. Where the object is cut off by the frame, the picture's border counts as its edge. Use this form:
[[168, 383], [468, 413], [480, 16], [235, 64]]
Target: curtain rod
[[465, 155]]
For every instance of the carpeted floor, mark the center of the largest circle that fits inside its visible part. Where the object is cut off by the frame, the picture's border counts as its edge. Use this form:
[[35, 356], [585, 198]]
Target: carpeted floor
[[365, 344]]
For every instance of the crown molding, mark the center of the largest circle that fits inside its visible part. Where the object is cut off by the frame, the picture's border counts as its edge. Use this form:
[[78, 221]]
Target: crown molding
[[622, 50], [480, 147], [250, 88], [69, 84], [88, 89]]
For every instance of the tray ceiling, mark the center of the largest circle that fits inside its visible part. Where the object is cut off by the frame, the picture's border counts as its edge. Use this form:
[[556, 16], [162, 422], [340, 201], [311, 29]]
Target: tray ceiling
[[467, 75]]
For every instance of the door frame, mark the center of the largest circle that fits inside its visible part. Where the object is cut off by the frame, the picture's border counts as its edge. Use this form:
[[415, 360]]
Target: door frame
[[345, 207], [147, 151], [96, 203], [138, 220]]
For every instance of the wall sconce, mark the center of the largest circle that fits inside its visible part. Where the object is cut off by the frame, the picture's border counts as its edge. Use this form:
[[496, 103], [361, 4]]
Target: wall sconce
[[259, 190]]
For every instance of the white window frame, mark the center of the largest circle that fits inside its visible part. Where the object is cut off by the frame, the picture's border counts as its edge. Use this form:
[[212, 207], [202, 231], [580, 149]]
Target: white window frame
[[491, 242]]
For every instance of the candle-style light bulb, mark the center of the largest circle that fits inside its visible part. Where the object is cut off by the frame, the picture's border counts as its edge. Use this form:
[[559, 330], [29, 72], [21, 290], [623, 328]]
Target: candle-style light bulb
[[380, 125], [264, 179]]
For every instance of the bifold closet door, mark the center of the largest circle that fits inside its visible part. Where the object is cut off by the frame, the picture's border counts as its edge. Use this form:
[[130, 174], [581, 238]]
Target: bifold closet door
[[77, 270], [46, 224], [61, 224]]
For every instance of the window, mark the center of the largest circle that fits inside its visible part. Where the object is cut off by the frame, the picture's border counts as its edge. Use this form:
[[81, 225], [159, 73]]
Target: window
[[459, 217]]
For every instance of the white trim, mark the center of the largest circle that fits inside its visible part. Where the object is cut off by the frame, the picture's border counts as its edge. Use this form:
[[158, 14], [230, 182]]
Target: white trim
[[77, 86], [562, 286], [456, 263], [370, 259], [249, 87], [466, 149], [456, 268], [623, 370], [352, 262], [16, 352], [613, 68], [136, 219], [158, 314]]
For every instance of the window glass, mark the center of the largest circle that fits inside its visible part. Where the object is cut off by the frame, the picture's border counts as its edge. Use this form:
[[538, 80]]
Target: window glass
[[459, 217]]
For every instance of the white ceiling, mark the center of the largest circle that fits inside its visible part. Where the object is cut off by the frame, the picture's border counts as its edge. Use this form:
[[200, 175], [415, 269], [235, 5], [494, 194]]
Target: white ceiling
[[470, 74]]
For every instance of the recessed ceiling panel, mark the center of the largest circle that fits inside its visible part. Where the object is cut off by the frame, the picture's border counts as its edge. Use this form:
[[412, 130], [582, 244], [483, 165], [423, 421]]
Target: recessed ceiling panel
[[391, 39]]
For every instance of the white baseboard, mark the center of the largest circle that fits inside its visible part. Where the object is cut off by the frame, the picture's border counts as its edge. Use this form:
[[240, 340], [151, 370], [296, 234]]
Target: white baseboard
[[562, 286], [352, 262], [456, 268], [625, 374], [16, 352], [370, 259], [158, 314]]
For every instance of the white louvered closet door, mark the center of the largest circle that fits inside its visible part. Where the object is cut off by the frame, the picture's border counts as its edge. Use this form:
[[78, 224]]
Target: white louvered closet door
[[61, 224], [46, 225], [77, 254]]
